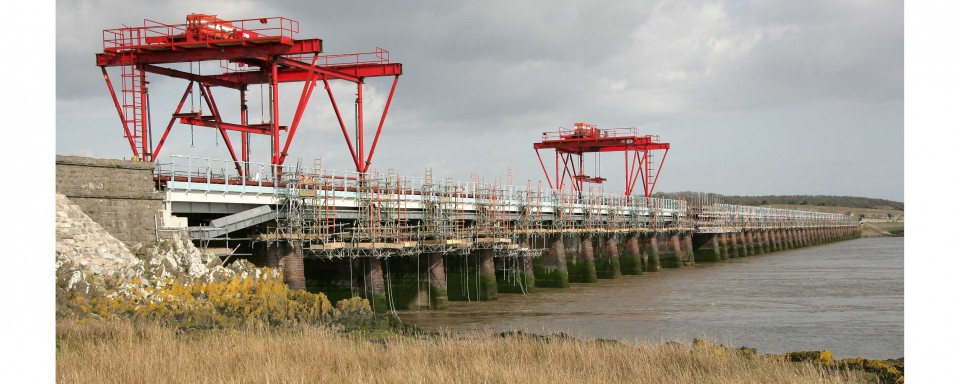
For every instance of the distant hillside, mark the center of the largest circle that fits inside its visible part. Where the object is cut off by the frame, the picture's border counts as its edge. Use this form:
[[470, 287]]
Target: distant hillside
[[800, 200]]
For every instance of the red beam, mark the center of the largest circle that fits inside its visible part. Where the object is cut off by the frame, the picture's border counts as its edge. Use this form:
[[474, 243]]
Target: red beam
[[224, 125], [296, 47], [212, 80], [289, 74], [308, 87], [380, 127]]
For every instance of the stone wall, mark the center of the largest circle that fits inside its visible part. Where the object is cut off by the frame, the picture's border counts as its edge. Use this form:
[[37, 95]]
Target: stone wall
[[117, 194]]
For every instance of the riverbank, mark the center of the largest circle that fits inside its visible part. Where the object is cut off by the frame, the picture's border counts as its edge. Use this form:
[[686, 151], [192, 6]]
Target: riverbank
[[125, 351]]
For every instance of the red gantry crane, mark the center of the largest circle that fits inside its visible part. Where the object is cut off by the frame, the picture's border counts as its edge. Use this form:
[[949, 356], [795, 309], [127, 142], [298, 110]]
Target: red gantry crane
[[261, 51], [570, 145]]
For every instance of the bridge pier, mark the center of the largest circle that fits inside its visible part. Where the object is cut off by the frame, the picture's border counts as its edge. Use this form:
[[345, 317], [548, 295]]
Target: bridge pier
[[517, 276], [631, 257], [706, 247], [724, 247], [688, 255], [734, 247], [673, 256], [292, 265], [582, 268], [651, 253], [777, 240], [550, 270], [375, 287], [758, 242], [765, 241], [791, 238], [748, 243], [287, 258], [608, 264], [436, 277]]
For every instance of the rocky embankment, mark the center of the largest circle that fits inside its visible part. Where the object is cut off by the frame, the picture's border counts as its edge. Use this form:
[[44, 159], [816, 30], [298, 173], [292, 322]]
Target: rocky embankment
[[173, 281]]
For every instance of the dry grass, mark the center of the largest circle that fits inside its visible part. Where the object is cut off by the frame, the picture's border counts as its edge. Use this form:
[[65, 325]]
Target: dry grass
[[121, 352]]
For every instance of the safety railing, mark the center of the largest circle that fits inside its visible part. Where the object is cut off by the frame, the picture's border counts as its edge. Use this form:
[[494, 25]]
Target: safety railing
[[198, 29]]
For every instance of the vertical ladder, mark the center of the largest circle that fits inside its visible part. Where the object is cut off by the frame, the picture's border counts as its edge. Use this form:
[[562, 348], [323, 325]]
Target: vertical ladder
[[133, 90], [648, 177]]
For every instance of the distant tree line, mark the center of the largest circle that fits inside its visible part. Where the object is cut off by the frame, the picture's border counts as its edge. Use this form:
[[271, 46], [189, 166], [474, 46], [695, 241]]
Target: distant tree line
[[818, 200]]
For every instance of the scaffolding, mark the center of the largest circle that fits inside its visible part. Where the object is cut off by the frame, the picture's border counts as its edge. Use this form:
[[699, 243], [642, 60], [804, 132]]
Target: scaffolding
[[348, 214]]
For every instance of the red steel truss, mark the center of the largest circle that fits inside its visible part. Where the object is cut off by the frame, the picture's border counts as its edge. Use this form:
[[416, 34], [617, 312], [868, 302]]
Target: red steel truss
[[268, 54], [570, 145]]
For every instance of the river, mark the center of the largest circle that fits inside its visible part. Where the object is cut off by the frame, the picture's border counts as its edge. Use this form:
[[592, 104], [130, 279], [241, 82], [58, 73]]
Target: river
[[845, 296]]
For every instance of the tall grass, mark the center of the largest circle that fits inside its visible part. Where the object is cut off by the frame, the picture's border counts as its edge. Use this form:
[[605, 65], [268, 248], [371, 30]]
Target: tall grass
[[124, 352]]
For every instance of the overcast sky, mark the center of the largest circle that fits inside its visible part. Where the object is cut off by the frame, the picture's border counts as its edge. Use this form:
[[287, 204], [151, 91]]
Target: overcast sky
[[755, 97]]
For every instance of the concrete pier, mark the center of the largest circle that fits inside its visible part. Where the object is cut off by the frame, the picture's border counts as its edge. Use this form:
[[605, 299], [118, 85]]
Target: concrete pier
[[550, 270], [582, 267], [672, 256], [374, 285], [292, 265], [733, 239], [651, 248], [724, 247], [631, 256], [608, 264], [488, 275], [436, 278], [687, 243]]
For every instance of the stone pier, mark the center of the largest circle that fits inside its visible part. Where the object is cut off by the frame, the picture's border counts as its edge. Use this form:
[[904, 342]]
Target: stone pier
[[724, 246], [631, 257], [672, 256], [436, 279], [374, 285], [582, 267], [608, 264], [687, 243], [292, 265], [734, 244], [651, 250], [550, 270]]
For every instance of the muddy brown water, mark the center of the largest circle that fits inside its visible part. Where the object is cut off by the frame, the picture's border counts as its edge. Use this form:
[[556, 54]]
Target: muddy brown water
[[846, 297]]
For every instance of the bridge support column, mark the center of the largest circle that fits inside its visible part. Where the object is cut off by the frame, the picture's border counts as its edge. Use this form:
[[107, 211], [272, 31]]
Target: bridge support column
[[734, 246], [792, 238], [688, 256], [518, 276], [748, 243], [550, 270], [292, 265], [608, 264], [375, 288], [706, 247], [436, 278], [583, 268], [758, 242], [673, 256], [724, 246], [777, 239], [765, 241], [631, 257], [652, 253], [488, 275], [287, 258]]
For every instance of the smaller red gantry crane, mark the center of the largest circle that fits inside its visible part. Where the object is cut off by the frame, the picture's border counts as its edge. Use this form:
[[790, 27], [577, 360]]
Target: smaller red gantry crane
[[571, 144]]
